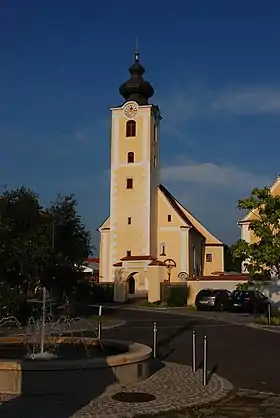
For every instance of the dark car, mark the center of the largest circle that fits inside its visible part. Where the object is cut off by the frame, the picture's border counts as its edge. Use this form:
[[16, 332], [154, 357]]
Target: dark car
[[214, 299], [251, 301]]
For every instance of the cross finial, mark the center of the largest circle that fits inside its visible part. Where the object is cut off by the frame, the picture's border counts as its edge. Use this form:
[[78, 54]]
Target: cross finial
[[137, 49]]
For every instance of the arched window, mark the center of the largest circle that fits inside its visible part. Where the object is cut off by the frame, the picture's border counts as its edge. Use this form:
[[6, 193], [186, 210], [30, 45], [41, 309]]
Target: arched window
[[130, 157], [130, 128], [162, 249]]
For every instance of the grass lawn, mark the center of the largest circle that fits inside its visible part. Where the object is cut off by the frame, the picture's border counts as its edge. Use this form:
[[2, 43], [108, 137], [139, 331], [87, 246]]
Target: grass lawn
[[263, 320], [274, 319]]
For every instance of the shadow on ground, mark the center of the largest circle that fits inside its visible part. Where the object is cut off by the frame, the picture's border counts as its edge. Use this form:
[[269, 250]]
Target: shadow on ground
[[59, 393], [73, 389], [239, 404]]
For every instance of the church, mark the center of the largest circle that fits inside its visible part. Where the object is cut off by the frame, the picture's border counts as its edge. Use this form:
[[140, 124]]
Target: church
[[149, 235]]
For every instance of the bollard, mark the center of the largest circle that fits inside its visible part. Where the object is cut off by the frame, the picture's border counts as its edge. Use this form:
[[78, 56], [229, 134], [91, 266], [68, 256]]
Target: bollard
[[100, 310], [204, 360], [194, 351], [99, 330], [269, 314], [155, 340]]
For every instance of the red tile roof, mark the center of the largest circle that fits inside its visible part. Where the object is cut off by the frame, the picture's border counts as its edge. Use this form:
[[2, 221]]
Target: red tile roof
[[157, 263], [93, 260], [118, 264], [138, 258]]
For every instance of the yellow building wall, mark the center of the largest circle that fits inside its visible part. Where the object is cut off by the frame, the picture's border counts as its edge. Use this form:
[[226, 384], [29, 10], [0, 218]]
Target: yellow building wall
[[212, 245], [104, 256], [210, 238], [170, 235], [195, 286], [139, 203], [217, 264]]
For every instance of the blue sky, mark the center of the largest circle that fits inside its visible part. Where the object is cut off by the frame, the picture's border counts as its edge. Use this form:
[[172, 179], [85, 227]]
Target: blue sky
[[214, 66]]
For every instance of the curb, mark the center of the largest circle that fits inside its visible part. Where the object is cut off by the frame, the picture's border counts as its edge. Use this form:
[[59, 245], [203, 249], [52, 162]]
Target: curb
[[119, 323], [264, 328], [194, 314], [182, 313], [174, 386]]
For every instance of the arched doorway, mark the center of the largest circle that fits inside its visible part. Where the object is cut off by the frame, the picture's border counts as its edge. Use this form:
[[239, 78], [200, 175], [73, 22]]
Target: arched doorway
[[131, 284]]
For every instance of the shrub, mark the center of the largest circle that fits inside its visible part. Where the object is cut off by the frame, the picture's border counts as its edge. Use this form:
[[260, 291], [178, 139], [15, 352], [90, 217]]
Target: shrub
[[177, 296], [102, 292]]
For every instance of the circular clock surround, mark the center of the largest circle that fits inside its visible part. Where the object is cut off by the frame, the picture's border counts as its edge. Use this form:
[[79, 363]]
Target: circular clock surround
[[130, 110]]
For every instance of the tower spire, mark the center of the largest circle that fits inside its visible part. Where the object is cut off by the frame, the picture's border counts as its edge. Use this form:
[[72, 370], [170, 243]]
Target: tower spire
[[136, 88], [136, 55]]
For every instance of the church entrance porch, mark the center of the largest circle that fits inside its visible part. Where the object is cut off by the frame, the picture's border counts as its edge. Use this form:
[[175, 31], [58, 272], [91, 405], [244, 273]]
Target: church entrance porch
[[135, 276], [131, 284]]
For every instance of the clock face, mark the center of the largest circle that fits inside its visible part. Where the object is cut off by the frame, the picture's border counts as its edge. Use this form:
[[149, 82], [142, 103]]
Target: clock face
[[130, 111]]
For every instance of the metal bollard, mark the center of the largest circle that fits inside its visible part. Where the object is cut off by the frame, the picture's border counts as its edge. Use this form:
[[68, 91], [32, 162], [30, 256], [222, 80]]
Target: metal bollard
[[100, 310], [99, 330], [269, 314], [155, 340], [204, 360], [194, 351]]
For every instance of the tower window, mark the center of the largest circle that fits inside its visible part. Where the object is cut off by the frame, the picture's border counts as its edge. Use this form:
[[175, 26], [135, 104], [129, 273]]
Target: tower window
[[130, 157], [169, 218], [130, 128], [128, 253], [129, 183], [162, 249], [155, 133], [209, 258], [129, 220], [155, 161]]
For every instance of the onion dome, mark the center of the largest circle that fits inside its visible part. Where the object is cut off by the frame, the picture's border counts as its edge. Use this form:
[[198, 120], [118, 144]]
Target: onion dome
[[136, 88]]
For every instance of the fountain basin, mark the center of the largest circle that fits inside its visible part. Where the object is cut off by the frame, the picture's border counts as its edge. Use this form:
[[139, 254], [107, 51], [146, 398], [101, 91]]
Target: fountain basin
[[122, 361]]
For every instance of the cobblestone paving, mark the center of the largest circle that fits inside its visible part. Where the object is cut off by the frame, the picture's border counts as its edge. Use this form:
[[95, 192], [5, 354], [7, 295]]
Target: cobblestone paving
[[240, 404], [175, 387]]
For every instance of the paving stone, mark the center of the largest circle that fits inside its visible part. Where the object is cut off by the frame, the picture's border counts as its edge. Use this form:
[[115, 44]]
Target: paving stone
[[174, 386]]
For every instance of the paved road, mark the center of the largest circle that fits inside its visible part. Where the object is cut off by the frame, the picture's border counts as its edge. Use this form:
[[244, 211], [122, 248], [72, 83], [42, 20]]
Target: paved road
[[232, 317], [248, 357]]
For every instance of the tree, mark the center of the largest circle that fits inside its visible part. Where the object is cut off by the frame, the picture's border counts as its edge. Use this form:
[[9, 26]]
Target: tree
[[37, 244], [24, 246], [70, 244], [24, 243], [262, 257], [230, 262], [71, 238]]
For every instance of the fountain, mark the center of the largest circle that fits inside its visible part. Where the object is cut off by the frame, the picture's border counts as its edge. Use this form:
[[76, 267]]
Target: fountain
[[38, 357]]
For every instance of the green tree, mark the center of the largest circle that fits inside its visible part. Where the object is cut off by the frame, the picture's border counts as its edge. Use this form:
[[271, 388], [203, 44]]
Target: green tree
[[39, 245], [24, 246], [24, 241], [71, 238], [230, 262], [70, 243], [261, 258]]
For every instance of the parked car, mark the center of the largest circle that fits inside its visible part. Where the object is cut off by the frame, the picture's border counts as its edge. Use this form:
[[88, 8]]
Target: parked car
[[214, 299], [251, 301]]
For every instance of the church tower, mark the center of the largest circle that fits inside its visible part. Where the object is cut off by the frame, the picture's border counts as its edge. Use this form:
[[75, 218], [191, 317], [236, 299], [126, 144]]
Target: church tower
[[134, 171]]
